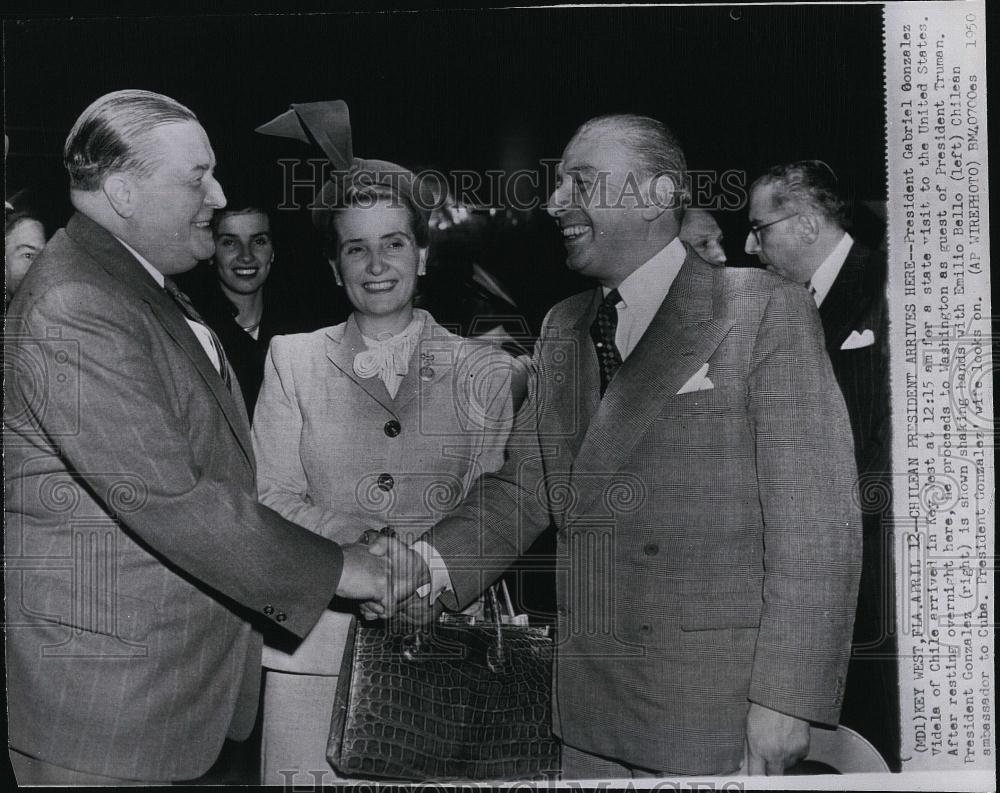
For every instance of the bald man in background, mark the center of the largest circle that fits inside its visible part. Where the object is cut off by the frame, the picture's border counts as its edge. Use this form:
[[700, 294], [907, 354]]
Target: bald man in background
[[701, 232]]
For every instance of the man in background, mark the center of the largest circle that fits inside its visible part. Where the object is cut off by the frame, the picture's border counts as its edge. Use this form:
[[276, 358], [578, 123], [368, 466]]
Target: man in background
[[798, 229], [701, 232]]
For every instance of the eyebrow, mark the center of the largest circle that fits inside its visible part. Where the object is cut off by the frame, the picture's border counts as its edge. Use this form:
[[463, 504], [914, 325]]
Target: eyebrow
[[383, 237], [26, 246]]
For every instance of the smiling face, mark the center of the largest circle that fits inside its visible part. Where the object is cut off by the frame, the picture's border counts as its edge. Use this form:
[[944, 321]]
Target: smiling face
[[378, 260], [243, 252], [21, 245], [598, 203], [172, 207]]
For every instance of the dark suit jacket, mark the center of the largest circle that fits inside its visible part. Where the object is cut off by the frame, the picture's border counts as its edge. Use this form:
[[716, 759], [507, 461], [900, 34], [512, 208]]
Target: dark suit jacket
[[855, 305], [136, 550], [708, 541], [245, 353]]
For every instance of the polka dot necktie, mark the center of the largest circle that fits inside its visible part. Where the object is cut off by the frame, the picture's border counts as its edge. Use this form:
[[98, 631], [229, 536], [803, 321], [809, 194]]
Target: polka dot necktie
[[602, 331]]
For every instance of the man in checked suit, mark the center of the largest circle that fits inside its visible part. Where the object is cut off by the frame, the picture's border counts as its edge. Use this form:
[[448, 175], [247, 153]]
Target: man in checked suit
[[137, 558], [799, 220], [685, 434]]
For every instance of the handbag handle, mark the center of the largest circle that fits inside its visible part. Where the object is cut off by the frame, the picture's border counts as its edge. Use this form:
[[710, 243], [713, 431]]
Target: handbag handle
[[495, 655]]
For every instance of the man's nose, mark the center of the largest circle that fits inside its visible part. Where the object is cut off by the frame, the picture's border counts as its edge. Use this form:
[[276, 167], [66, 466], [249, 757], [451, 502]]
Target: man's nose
[[215, 198], [719, 253], [557, 201], [751, 246]]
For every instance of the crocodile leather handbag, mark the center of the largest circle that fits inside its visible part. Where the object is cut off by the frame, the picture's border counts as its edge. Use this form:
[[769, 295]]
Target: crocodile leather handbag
[[457, 701]]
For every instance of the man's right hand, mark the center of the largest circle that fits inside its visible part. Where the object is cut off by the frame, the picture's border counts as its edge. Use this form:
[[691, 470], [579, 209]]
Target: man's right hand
[[364, 576], [408, 573]]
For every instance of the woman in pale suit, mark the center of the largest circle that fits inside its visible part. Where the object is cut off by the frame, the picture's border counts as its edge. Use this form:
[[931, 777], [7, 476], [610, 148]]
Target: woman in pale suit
[[383, 420]]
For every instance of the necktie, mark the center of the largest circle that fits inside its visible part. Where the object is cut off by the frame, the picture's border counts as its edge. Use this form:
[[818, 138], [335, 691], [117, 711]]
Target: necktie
[[187, 307], [602, 331]]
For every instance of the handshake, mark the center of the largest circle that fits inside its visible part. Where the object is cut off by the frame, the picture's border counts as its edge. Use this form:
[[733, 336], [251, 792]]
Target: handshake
[[383, 572]]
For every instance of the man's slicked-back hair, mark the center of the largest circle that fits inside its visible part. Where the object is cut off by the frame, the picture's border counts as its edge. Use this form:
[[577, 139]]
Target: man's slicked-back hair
[[656, 150], [806, 184], [110, 135]]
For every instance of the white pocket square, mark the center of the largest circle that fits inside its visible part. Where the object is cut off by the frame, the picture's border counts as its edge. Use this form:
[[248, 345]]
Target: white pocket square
[[699, 382], [858, 340]]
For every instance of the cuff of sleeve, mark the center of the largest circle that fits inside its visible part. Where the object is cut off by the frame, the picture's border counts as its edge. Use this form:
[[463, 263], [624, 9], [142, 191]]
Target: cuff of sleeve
[[440, 579]]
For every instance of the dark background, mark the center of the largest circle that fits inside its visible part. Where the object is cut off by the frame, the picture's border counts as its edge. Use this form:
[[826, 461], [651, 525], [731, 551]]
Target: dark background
[[742, 87]]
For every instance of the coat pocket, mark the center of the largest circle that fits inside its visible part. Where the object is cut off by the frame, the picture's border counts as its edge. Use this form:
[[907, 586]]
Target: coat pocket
[[53, 599]]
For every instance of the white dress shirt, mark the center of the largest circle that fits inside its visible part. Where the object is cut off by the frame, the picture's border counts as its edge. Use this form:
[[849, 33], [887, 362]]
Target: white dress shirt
[[822, 280], [642, 293], [201, 332]]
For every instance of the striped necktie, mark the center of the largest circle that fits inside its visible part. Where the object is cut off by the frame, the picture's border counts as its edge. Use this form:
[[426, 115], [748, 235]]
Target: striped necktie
[[187, 307], [602, 331]]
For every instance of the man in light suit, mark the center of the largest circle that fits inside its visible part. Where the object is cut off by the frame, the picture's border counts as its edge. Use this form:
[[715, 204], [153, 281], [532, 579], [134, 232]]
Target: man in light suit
[[137, 556], [685, 435], [799, 220]]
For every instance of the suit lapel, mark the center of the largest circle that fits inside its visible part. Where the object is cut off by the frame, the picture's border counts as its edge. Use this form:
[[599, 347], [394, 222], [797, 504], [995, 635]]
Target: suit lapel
[[680, 339], [112, 256], [341, 349], [434, 353], [576, 395]]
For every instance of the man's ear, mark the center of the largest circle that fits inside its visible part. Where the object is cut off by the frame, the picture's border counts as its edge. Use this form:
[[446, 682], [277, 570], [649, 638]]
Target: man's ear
[[807, 227], [663, 196], [119, 190]]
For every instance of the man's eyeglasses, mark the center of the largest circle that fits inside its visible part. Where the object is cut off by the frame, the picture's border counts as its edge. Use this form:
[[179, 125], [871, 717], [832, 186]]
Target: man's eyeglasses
[[756, 229]]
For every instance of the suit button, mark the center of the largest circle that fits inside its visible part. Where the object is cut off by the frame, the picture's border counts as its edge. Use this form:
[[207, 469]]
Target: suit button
[[392, 428], [269, 610], [385, 482], [280, 616], [645, 630], [651, 549]]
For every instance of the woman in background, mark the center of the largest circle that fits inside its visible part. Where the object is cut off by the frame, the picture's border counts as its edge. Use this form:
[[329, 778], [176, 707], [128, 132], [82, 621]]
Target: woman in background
[[240, 305], [383, 420]]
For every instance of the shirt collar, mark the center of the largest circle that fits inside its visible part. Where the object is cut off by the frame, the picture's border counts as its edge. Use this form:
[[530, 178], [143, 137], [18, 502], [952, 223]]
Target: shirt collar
[[157, 275], [828, 271], [648, 284]]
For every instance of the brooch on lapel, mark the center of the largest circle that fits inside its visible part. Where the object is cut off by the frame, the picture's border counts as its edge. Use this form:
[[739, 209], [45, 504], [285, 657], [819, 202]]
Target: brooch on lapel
[[426, 370]]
